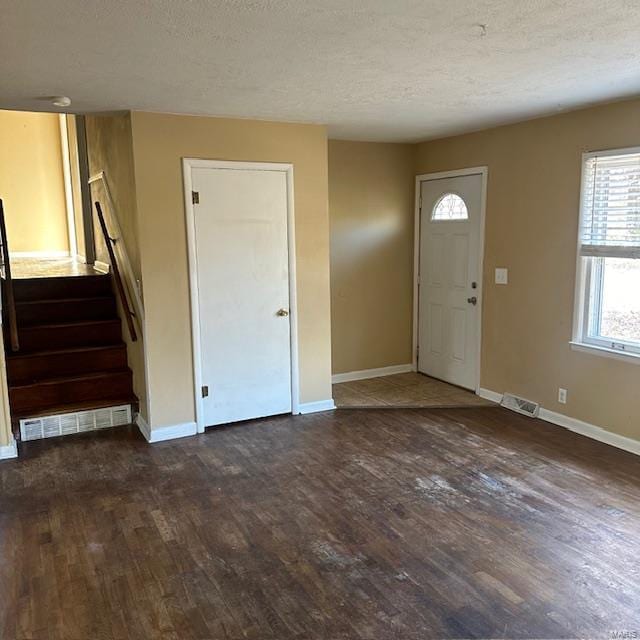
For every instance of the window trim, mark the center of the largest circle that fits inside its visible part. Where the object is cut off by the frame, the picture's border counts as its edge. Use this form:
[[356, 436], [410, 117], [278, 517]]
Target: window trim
[[581, 341], [625, 356]]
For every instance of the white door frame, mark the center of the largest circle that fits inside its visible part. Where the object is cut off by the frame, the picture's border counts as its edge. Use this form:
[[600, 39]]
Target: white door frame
[[68, 189], [187, 165], [426, 177]]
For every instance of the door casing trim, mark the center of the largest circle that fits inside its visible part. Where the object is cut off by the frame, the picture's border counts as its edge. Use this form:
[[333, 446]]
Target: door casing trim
[[192, 163], [427, 177]]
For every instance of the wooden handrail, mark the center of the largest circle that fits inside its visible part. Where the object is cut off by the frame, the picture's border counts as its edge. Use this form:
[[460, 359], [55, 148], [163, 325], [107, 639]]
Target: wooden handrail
[[8, 284], [124, 260], [128, 312]]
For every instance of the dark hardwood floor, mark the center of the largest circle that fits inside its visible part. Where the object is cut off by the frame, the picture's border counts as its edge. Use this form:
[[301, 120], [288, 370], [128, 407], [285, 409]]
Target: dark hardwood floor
[[363, 524]]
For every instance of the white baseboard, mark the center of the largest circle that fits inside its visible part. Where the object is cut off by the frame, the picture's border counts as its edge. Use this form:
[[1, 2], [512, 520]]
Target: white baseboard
[[591, 431], [39, 254], [577, 426], [365, 374], [489, 395], [9, 451], [315, 407], [165, 433], [143, 426], [102, 267]]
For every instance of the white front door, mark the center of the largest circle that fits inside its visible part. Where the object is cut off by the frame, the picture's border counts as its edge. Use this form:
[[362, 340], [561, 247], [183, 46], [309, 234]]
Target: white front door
[[243, 292], [449, 279]]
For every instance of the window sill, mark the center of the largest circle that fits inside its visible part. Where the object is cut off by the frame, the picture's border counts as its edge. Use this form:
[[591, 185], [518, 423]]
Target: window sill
[[607, 353]]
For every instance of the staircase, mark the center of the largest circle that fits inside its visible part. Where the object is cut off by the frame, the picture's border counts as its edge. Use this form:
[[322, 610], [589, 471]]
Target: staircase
[[71, 357]]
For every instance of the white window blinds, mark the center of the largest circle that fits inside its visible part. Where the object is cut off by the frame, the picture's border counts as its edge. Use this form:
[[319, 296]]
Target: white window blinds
[[611, 206]]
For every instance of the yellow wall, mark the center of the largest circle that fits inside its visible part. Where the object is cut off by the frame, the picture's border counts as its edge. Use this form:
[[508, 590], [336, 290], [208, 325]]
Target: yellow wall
[[110, 149], [159, 144], [371, 205], [32, 182], [531, 228]]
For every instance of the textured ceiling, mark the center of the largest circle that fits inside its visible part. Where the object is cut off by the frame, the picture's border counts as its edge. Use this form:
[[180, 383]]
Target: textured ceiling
[[370, 69]]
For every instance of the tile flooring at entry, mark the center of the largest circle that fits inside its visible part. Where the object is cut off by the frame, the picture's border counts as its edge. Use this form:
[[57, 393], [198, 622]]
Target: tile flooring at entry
[[404, 390]]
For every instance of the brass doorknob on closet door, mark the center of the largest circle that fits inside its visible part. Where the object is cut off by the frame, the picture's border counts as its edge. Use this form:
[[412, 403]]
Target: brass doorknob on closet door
[[283, 313]]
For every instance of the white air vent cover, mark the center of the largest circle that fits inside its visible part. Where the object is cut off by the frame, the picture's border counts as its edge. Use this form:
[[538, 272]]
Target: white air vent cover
[[520, 405], [68, 423]]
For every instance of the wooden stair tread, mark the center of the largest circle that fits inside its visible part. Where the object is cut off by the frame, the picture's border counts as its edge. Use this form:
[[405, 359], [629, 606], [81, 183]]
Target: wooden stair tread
[[70, 350], [79, 377], [62, 300], [47, 278], [79, 323], [74, 407], [67, 309], [58, 333]]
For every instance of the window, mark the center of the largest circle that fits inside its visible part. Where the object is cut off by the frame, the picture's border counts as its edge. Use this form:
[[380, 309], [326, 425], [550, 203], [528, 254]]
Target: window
[[450, 207], [608, 305]]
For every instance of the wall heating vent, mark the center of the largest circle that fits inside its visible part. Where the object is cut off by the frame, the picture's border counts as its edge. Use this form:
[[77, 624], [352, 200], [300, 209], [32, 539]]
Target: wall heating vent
[[520, 405], [67, 423]]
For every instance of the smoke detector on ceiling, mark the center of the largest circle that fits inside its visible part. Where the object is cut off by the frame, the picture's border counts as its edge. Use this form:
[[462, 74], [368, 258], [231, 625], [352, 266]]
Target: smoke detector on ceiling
[[61, 101]]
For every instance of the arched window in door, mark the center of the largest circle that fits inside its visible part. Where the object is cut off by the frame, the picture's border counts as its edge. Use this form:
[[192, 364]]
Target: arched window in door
[[450, 207]]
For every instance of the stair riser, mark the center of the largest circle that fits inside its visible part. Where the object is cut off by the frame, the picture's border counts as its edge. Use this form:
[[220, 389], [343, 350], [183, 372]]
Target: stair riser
[[65, 311], [36, 339], [37, 397], [52, 288], [22, 370]]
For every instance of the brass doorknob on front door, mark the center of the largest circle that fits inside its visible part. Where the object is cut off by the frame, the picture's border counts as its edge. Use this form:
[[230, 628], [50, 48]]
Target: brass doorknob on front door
[[473, 300], [282, 313]]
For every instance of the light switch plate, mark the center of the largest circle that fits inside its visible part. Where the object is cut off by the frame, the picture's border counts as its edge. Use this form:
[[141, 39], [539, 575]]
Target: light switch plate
[[502, 275]]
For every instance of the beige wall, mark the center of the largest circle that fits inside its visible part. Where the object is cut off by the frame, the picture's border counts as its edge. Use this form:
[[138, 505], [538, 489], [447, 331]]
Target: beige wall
[[371, 208], [32, 182], [110, 149], [531, 228], [159, 143]]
